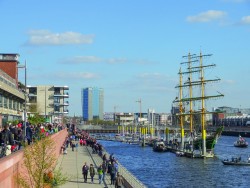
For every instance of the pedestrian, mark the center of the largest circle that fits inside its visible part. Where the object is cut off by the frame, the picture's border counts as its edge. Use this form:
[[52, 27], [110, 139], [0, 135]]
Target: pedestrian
[[112, 174], [85, 169], [104, 157], [76, 146], [119, 181], [100, 174], [109, 167], [105, 169], [29, 133], [116, 167], [19, 138], [92, 172], [6, 136], [73, 144]]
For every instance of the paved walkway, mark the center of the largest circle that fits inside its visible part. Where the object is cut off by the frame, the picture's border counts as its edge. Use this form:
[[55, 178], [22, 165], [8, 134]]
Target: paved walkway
[[72, 163]]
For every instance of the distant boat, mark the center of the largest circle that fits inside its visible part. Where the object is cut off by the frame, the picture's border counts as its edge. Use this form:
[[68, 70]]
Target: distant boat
[[241, 142], [236, 161]]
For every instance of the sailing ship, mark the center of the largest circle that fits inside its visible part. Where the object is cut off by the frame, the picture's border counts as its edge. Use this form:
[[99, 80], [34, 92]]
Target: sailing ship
[[191, 115]]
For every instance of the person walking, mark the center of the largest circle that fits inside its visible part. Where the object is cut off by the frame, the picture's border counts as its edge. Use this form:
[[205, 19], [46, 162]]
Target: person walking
[[119, 181], [100, 174], [112, 174], [105, 169], [85, 169], [92, 172], [73, 145]]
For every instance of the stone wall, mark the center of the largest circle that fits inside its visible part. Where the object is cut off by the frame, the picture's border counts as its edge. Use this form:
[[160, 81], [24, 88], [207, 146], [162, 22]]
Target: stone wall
[[12, 164]]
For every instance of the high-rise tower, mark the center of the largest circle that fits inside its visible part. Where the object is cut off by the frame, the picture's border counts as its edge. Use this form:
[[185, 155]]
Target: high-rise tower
[[92, 103]]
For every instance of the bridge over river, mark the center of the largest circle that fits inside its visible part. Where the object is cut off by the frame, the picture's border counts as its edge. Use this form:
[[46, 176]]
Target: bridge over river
[[228, 131]]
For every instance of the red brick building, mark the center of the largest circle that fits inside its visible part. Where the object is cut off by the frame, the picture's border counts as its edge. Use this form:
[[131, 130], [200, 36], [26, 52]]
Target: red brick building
[[9, 64], [11, 98]]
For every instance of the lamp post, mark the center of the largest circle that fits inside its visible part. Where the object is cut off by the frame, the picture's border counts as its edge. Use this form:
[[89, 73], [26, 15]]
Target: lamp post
[[25, 96], [139, 101], [45, 103]]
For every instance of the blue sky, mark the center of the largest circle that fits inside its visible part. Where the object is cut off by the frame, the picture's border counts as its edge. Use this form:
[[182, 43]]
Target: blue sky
[[132, 49]]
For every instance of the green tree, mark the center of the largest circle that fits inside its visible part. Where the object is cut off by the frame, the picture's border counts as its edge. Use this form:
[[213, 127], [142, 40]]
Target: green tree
[[40, 163], [35, 119]]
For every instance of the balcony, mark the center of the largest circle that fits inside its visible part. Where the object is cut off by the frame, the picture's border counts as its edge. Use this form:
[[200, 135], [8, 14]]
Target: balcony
[[65, 95], [66, 103]]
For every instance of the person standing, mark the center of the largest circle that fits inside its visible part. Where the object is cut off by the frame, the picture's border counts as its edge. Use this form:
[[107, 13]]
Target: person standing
[[6, 136], [100, 174], [19, 138], [119, 181], [92, 172], [85, 169], [28, 134]]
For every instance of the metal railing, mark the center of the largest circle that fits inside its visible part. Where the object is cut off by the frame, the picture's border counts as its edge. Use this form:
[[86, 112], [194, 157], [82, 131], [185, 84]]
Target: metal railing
[[131, 180]]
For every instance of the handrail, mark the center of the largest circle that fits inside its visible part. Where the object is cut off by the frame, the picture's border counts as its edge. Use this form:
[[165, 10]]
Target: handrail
[[128, 176]]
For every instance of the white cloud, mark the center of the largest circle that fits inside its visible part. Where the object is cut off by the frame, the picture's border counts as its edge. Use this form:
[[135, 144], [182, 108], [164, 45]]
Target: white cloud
[[92, 59], [150, 75], [208, 16], [115, 60], [76, 75], [45, 37], [154, 82], [228, 81], [144, 62], [81, 59], [245, 20]]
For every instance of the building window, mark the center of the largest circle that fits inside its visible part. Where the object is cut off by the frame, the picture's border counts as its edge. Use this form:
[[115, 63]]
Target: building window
[[56, 108], [1, 100], [5, 102], [32, 99], [10, 104], [15, 105]]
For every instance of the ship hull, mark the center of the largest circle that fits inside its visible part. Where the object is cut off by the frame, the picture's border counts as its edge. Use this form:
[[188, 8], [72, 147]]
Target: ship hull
[[210, 140]]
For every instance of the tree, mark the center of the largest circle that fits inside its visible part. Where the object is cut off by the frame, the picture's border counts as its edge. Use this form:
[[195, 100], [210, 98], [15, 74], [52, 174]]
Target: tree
[[39, 163], [35, 119]]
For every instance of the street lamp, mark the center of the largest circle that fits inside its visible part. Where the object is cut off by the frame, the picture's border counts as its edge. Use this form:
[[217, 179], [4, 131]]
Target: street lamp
[[25, 96], [45, 102], [139, 101]]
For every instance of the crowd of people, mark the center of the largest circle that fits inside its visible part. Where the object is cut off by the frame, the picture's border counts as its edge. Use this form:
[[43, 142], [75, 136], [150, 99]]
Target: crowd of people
[[14, 136], [109, 164]]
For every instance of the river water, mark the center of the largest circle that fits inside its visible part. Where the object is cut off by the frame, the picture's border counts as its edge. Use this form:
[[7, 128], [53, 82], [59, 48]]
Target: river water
[[160, 170]]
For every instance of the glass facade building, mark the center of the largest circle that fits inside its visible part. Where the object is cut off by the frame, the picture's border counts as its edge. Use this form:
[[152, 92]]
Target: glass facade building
[[92, 103]]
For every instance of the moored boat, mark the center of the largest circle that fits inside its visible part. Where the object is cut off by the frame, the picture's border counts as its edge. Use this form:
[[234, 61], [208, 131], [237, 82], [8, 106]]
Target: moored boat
[[159, 146]]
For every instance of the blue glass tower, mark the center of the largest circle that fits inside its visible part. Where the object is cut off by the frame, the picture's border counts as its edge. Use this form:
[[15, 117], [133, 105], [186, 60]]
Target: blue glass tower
[[92, 103]]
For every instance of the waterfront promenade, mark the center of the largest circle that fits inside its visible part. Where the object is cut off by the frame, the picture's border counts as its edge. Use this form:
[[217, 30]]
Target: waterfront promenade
[[72, 163]]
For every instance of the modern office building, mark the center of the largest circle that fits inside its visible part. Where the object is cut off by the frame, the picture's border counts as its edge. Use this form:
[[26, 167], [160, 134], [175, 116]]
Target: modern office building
[[92, 103], [12, 99], [49, 101]]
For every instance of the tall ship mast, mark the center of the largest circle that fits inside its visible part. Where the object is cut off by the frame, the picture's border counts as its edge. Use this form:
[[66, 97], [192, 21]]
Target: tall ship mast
[[187, 111]]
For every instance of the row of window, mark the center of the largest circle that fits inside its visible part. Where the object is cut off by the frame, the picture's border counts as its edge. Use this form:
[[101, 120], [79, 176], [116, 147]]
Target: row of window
[[9, 103]]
